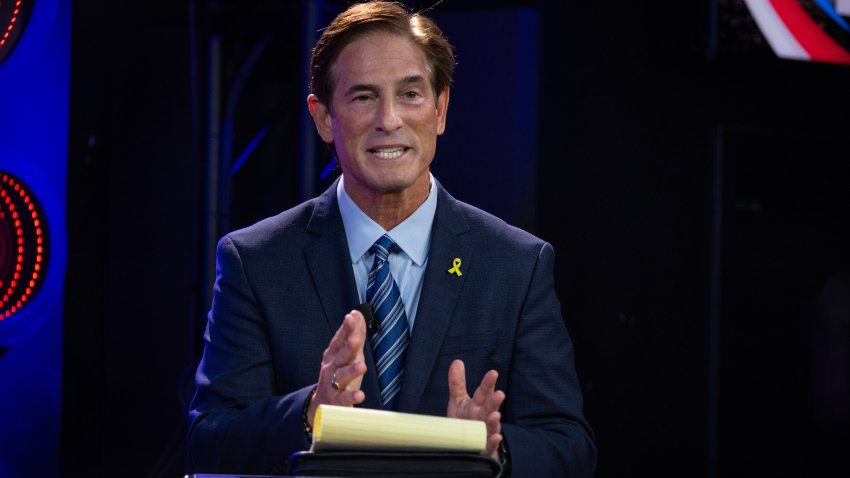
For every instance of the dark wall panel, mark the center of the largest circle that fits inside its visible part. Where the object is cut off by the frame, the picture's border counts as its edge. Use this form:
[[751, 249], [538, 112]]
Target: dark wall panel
[[697, 208], [134, 210]]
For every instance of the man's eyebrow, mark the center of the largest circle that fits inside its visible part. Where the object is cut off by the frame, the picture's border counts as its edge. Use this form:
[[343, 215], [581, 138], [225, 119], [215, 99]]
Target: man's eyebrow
[[412, 79], [359, 88]]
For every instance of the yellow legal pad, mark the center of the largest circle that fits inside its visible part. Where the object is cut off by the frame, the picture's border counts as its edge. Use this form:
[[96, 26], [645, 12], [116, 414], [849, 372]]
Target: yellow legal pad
[[337, 428]]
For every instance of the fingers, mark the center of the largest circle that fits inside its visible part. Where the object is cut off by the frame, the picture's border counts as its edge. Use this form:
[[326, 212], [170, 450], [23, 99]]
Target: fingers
[[346, 377], [493, 446], [347, 342], [487, 387], [457, 382], [494, 424], [343, 366], [348, 398], [343, 362], [479, 407]]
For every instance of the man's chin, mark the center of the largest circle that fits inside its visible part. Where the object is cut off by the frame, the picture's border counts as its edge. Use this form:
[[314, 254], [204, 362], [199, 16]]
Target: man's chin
[[394, 187]]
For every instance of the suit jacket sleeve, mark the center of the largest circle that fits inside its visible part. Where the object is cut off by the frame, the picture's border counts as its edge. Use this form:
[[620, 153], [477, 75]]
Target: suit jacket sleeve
[[543, 421], [239, 423]]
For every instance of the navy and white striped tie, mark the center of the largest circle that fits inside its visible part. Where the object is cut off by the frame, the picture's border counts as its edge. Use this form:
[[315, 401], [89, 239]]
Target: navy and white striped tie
[[393, 335]]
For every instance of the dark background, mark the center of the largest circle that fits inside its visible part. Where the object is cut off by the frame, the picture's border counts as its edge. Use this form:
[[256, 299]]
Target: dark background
[[696, 198]]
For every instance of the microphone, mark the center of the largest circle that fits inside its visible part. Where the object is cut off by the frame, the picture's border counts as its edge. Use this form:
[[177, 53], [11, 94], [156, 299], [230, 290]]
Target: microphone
[[372, 324]]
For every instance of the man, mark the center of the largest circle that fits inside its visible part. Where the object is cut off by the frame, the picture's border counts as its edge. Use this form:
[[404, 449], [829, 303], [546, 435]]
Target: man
[[470, 297]]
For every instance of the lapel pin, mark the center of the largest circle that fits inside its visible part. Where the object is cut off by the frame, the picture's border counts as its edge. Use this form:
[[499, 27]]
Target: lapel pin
[[456, 267]]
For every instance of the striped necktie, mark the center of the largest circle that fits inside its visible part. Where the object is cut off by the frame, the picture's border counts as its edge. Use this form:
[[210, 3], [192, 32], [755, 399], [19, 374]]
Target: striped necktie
[[391, 340]]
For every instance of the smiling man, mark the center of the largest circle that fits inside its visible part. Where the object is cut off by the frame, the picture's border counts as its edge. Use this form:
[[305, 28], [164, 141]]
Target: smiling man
[[459, 297]]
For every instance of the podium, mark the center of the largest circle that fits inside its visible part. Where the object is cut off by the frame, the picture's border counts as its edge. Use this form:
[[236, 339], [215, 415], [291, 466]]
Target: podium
[[361, 464], [386, 464]]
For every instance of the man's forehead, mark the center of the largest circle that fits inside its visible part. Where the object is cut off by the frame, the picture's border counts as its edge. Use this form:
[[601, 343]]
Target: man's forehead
[[380, 58]]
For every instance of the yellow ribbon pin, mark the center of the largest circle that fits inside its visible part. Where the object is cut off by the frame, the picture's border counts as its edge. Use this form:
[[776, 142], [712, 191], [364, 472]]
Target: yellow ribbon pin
[[456, 268]]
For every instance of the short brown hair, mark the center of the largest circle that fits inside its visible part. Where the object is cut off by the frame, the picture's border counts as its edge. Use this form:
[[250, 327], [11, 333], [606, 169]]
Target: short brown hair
[[362, 19]]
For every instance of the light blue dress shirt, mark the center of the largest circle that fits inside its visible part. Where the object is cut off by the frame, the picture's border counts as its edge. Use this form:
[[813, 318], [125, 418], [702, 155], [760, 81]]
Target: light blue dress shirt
[[407, 261]]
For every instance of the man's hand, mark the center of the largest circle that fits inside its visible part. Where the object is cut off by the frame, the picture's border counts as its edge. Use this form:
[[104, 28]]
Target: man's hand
[[343, 367], [484, 404]]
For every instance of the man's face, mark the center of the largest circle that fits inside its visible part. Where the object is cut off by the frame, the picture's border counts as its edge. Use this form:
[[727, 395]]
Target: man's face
[[384, 119]]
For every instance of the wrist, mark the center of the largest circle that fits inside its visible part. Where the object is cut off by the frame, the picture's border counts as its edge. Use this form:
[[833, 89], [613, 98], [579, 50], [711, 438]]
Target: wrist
[[504, 458], [306, 416]]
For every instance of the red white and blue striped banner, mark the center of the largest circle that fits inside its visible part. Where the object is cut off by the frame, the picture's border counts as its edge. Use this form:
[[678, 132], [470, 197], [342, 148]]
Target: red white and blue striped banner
[[793, 34]]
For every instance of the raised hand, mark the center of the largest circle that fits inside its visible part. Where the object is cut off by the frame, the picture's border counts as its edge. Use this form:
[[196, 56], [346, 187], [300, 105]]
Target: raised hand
[[343, 367], [483, 405]]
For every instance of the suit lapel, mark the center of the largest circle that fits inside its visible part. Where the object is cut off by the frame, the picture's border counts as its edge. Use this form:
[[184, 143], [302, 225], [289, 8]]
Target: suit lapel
[[440, 293], [329, 263]]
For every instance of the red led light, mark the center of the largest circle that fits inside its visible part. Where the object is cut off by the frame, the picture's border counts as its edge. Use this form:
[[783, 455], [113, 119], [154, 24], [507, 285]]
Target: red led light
[[24, 245], [13, 21]]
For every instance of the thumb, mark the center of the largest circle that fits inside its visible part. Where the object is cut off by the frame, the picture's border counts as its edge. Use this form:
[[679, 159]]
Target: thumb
[[457, 381]]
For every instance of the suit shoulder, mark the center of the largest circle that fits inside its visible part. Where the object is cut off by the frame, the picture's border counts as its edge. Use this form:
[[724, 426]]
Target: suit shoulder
[[285, 225], [496, 231]]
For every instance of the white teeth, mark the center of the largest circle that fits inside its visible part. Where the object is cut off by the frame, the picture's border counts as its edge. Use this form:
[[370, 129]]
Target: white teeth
[[388, 153]]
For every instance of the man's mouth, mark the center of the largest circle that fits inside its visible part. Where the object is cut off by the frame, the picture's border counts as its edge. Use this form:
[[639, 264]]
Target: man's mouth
[[388, 153]]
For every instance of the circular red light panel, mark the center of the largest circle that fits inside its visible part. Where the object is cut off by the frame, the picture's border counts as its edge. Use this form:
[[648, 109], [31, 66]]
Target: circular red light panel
[[24, 245]]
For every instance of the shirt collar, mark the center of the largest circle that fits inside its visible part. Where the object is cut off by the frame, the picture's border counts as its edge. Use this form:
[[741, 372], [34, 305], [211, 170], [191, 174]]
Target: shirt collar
[[413, 235]]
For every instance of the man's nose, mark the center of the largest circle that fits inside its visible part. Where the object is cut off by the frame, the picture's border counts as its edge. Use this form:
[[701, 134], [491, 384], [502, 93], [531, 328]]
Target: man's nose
[[388, 117]]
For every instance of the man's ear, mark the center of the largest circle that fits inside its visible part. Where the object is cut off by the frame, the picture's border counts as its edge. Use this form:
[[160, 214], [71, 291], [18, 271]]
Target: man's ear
[[442, 110], [321, 117]]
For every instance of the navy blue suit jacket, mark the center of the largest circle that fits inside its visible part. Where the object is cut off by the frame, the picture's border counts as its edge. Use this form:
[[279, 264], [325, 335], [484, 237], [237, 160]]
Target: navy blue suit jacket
[[283, 287]]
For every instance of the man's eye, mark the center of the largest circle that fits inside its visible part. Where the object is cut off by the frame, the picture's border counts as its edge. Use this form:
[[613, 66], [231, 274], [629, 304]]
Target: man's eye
[[411, 95]]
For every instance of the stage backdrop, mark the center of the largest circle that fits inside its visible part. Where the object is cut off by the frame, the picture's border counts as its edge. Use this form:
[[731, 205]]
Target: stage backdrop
[[34, 84]]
